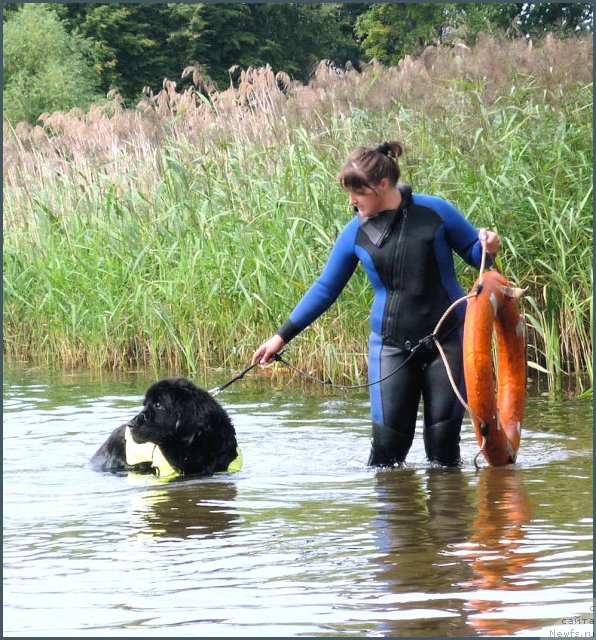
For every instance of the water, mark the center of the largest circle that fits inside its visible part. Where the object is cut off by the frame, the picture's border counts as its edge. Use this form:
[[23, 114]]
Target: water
[[304, 541]]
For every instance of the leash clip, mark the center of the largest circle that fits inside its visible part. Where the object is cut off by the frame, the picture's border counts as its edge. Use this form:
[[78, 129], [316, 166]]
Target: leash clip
[[427, 341]]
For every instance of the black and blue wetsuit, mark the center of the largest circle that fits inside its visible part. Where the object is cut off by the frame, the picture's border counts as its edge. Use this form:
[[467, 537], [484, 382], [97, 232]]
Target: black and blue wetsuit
[[408, 256]]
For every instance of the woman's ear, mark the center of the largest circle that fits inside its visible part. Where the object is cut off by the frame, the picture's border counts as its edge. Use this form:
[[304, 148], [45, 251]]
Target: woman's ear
[[383, 185]]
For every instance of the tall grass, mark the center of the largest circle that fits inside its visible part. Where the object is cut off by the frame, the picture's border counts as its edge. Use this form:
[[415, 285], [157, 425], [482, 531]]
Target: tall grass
[[180, 234]]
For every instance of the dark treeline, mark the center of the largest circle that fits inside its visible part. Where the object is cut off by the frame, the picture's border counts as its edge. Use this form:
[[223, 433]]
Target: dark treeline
[[58, 56]]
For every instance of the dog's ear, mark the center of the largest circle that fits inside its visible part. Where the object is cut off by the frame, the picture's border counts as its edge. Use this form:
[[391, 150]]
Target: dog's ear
[[189, 439], [189, 420], [182, 424], [187, 427]]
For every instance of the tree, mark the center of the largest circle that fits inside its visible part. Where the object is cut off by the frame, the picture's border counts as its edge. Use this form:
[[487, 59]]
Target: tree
[[45, 68], [9, 8], [390, 31], [215, 37], [290, 37], [295, 37], [130, 43], [559, 17], [523, 19], [135, 45], [467, 20]]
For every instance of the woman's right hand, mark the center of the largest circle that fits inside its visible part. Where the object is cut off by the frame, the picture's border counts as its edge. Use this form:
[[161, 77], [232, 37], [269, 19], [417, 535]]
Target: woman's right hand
[[264, 354]]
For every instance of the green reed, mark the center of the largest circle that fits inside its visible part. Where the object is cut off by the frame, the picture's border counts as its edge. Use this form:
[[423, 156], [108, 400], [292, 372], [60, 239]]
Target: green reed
[[184, 253]]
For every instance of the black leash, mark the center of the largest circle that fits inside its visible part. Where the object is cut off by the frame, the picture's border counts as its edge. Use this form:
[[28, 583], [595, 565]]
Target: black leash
[[217, 390], [344, 387], [427, 342]]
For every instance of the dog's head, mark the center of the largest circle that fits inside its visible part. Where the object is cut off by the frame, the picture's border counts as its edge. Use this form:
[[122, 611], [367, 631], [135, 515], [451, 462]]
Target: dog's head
[[173, 408]]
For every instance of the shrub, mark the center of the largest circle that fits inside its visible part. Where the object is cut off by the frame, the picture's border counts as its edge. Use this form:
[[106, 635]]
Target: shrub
[[44, 67]]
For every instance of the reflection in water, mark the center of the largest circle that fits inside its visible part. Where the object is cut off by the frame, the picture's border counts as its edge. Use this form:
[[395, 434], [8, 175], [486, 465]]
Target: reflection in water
[[185, 508], [421, 514], [496, 550], [436, 537]]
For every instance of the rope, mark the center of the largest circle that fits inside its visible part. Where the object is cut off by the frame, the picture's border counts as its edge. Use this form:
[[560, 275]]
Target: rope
[[479, 452], [444, 357], [482, 261]]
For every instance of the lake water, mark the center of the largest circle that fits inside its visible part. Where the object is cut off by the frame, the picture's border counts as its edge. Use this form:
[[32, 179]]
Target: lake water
[[305, 541]]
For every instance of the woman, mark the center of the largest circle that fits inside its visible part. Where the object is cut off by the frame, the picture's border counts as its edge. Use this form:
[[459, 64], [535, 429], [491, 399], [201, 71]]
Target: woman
[[405, 243]]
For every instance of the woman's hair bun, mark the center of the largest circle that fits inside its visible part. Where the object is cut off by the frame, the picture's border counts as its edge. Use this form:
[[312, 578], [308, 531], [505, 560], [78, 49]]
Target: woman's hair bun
[[367, 166], [391, 149]]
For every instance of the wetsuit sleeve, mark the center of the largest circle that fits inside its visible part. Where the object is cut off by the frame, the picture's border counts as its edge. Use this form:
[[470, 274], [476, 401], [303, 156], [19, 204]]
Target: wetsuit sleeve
[[461, 235], [339, 269]]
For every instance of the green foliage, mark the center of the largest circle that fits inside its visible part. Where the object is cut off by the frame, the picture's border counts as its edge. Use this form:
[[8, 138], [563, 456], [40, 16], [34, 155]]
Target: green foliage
[[44, 67], [560, 18], [525, 19], [295, 37], [208, 36], [137, 45], [8, 8], [129, 43], [467, 20], [390, 31]]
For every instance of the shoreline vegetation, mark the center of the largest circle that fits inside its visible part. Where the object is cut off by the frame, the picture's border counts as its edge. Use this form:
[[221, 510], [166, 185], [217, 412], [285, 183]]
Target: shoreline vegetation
[[179, 234]]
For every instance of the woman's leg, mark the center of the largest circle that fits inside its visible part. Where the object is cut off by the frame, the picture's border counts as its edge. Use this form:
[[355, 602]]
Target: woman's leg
[[443, 412], [394, 402]]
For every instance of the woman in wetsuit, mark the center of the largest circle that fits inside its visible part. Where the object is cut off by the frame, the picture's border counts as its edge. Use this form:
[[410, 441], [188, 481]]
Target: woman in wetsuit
[[405, 242]]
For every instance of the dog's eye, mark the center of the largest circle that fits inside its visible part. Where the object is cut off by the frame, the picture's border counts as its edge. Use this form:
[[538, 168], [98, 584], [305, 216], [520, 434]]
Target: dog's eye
[[159, 406]]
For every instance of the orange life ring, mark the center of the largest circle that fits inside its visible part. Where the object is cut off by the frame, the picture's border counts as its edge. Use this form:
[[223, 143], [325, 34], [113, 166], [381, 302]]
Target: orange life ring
[[497, 417]]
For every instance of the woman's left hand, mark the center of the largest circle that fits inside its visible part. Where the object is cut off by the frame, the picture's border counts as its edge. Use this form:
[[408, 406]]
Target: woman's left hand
[[490, 239]]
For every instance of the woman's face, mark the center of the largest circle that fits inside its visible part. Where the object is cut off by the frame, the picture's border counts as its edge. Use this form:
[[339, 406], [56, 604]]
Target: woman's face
[[372, 200], [367, 200]]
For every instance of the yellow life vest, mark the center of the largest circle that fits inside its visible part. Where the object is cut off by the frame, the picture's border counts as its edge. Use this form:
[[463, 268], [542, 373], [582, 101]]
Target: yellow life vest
[[149, 452]]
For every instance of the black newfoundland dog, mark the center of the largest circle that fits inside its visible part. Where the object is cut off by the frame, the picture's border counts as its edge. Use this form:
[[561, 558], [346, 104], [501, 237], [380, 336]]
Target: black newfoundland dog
[[182, 430]]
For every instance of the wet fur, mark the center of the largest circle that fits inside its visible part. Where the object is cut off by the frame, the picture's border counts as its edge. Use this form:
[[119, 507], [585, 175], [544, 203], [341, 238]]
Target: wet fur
[[190, 427]]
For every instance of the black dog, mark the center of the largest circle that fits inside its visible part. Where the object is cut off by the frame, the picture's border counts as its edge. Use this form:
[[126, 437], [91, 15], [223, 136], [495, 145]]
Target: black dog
[[188, 427]]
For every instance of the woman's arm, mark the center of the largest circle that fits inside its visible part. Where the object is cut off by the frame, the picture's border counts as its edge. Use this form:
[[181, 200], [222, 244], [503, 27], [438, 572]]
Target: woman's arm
[[320, 296]]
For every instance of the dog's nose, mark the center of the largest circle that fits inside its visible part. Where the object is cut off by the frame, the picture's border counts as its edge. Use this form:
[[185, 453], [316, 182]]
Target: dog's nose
[[139, 419]]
